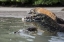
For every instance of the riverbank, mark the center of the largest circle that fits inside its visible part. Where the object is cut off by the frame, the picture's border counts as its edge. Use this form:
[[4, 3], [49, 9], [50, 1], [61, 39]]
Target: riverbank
[[28, 8], [20, 12]]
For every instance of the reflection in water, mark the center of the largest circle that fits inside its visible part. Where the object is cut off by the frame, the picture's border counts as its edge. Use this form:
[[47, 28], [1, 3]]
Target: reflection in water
[[9, 25]]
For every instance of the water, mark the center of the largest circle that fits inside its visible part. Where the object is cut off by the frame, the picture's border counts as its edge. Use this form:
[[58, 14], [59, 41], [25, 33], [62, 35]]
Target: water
[[8, 25]]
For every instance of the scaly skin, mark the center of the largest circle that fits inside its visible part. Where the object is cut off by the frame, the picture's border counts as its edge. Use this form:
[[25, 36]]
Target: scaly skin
[[43, 11], [45, 23]]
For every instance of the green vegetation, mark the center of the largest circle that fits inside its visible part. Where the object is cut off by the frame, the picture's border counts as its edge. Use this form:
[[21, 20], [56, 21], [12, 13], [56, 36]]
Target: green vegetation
[[62, 2], [34, 2], [45, 2]]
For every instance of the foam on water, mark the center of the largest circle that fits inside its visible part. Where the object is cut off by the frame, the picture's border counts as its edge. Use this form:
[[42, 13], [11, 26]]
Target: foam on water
[[23, 19], [23, 34], [40, 32], [58, 38], [28, 36], [29, 39], [60, 34]]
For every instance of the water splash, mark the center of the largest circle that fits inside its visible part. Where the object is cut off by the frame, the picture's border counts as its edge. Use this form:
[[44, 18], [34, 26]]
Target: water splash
[[24, 34], [58, 38]]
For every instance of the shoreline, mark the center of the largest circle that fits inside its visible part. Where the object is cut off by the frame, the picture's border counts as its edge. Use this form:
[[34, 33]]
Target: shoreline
[[27, 8], [21, 12]]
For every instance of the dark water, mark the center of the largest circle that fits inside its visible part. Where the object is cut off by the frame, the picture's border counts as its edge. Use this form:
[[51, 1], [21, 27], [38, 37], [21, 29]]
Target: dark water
[[8, 25]]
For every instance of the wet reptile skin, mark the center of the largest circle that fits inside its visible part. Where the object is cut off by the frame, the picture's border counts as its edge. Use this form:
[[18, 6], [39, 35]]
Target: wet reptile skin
[[45, 23]]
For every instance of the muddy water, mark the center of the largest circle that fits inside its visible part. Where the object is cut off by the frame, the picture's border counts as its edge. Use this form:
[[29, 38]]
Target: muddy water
[[9, 25]]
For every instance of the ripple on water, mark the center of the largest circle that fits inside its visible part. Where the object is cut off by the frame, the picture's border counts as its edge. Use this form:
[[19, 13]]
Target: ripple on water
[[28, 36], [8, 25], [23, 34], [58, 38]]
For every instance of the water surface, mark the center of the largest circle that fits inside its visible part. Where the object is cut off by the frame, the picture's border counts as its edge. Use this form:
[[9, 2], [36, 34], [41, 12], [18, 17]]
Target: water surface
[[8, 25]]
